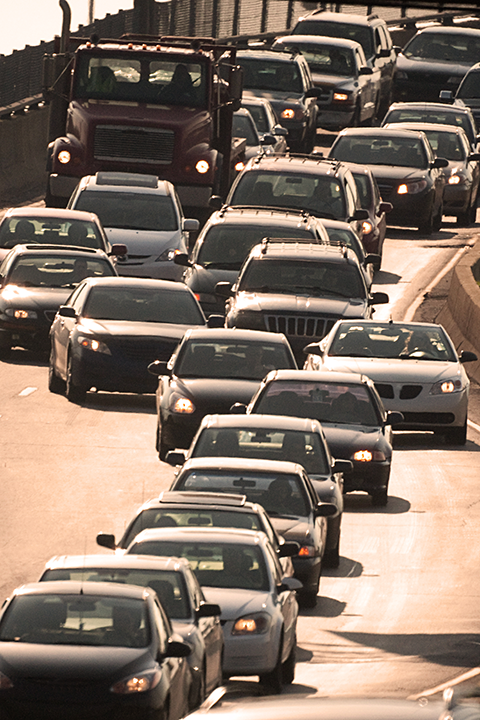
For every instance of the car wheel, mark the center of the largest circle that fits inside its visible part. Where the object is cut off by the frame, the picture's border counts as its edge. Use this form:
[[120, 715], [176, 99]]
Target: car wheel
[[308, 598], [379, 498], [272, 681], [456, 435], [437, 220], [426, 228], [356, 116], [331, 559], [55, 384], [468, 217], [288, 667], [162, 449], [5, 347], [75, 393], [198, 690]]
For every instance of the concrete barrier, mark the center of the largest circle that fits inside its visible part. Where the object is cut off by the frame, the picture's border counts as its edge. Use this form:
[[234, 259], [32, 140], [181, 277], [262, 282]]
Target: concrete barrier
[[23, 144], [460, 315]]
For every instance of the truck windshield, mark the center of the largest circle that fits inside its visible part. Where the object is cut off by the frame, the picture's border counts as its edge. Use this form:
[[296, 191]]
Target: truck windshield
[[121, 77]]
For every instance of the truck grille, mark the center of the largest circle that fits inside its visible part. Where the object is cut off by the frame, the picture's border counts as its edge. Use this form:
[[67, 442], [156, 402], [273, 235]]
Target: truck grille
[[134, 144], [291, 325]]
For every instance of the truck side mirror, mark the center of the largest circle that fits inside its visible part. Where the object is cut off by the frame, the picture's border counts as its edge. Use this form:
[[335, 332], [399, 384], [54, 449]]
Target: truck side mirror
[[236, 83]]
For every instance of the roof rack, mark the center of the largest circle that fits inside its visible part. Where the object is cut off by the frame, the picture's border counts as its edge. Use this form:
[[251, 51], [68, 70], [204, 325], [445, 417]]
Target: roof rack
[[266, 241]]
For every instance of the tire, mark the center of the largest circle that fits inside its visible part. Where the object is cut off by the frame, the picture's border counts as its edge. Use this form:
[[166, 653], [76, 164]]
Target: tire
[[288, 667], [198, 691], [457, 435], [5, 348], [427, 227], [468, 217], [55, 384], [308, 598], [75, 393], [379, 498], [331, 558], [272, 681], [162, 449], [437, 220], [356, 117]]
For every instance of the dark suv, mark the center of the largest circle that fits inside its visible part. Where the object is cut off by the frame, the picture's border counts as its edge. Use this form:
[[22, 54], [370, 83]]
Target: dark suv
[[298, 289], [369, 30], [284, 79], [314, 185]]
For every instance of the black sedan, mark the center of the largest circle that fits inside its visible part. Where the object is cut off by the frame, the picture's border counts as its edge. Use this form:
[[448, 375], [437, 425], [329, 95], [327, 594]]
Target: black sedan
[[87, 650], [287, 494], [111, 329], [34, 281], [354, 420], [406, 170], [375, 226], [210, 371]]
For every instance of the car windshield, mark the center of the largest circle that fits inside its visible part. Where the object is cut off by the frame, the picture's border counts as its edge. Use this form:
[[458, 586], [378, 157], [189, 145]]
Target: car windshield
[[169, 586], [445, 144], [341, 236], [359, 33], [364, 189], [232, 359], [130, 210], [322, 196], [56, 270], [470, 87], [138, 304], [243, 127], [392, 340], [185, 517], [131, 77], [223, 565], [259, 115], [328, 402], [303, 277], [49, 231], [76, 620], [271, 75], [388, 150], [305, 448], [226, 246], [447, 117], [281, 495], [445, 47], [326, 59]]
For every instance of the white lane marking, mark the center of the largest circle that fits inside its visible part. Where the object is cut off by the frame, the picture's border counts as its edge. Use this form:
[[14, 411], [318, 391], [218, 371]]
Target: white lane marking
[[27, 391], [456, 681], [416, 303], [473, 425]]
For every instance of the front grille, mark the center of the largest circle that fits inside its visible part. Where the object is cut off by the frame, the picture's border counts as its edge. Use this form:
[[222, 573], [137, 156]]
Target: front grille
[[426, 418], [385, 391], [408, 392], [385, 190], [146, 349], [294, 325], [325, 97], [134, 144]]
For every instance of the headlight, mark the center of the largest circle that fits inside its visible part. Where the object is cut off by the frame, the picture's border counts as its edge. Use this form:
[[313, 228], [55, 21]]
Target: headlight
[[142, 682], [93, 344], [5, 682], [64, 157], [288, 114], [341, 96], [412, 188], [368, 456], [21, 314], [456, 179], [202, 167], [254, 624], [445, 387], [367, 227], [166, 255], [239, 166], [181, 404]]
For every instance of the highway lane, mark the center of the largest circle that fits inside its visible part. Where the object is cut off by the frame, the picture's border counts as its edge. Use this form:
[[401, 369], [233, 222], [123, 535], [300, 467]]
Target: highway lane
[[399, 616]]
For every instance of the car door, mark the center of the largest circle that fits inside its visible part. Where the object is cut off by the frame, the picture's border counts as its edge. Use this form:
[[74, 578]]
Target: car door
[[62, 328], [176, 667], [285, 598], [319, 523], [367, 87]]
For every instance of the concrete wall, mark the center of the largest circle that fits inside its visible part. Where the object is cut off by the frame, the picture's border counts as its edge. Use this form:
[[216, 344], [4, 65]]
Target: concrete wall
[[23, 143], [460, 316]]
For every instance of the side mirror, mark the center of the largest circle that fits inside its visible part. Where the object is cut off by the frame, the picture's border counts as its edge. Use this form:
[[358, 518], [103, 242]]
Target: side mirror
[[288, 549], [280, 130], [289, 583], [384, 52], [467, 356], [378, 298], [439, 162], [365, 70], [175, 457], [446, 95], [238, 409], [106, 540], [158, 367], [180, 258], [268, 140], [67, 311], [216, 321], [385, 207], [177, 649], [206, 609], [215, 202], [313, 92], [325, 509], [191, 224], [398, 49], [394, 417], [342, 466], [360, 214], [473, 156], [313, 349], [118, 249], [373, 259], [223, 289]]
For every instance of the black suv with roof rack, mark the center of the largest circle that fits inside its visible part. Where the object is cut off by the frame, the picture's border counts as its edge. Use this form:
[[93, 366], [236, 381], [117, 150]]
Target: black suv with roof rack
[[310, 183], [298, 289], [370, 31]]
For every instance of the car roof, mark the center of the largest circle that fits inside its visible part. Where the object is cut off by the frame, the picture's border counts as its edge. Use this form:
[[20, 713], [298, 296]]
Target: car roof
[[294, 163], [232, 334], [277, 467], [205, 534], [160, 285], [302, 251], [227, 501], [266, 55], [111, 561], [257, 420], [52, 213], [321, 376], [385, 323], [125, 182], [380, 132], [237, 215], [318, 40], [335, 17], [60, 587], [435, 107], [449, 30], [427, 127]]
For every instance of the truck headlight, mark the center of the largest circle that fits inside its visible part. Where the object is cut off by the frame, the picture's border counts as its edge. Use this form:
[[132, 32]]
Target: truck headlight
[[64, 157], [202, 167]]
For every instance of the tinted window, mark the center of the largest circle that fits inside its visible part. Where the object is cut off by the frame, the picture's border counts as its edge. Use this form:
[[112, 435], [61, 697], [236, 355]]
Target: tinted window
[[398, 151], [364, 189], [50, 231], [326, 59], [470, 87], [446, 145], [271, 75], [446, 47], [132, 211], [243, 127], [259, 116], [56, 270], [360, 33], [251, 361], [142, 305]]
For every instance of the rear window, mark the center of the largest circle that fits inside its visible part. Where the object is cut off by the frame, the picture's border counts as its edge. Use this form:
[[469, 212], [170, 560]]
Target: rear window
[[396, 151], [131, 211], [271, 75], [360, 33], [50, 231]]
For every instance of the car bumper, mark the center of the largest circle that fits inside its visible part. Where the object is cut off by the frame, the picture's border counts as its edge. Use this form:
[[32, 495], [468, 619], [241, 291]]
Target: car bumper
[[431, 412], [245, 655], [105, 372], [178, 430], [409, 210], [32, 335], [335, 119], [157, 270], [456, 199], [367, 477], [308, 571]]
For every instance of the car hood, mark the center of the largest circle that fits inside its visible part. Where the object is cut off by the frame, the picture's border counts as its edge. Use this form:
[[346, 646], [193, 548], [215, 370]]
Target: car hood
[[200, 279], [343, 440], [70, 661], [397, 172], [219, 393], [431, 67], [275, 97], [266, 302], [388, 371], [236, 602], [41, 298], [292, 528], [128, 328], [330, 81], [146, 241]]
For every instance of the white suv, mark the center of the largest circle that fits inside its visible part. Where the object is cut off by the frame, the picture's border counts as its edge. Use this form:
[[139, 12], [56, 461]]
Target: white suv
[[142, 212]]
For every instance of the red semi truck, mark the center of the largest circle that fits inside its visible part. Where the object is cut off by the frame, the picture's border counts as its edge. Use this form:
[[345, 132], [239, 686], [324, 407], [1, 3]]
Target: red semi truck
[[160, 106]]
